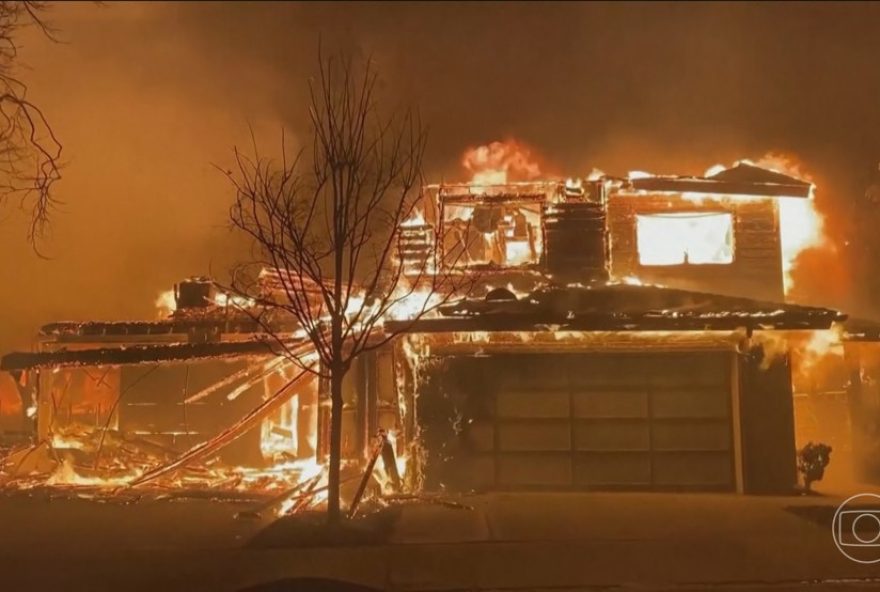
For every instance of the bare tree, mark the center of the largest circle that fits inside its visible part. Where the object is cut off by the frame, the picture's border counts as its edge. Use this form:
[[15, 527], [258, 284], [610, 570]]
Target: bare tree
[[29, 150], [325, 225]]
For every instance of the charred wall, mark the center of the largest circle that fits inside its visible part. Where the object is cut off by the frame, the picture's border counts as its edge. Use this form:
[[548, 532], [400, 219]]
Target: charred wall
[[152, 406], [767, 417], [756, 269]]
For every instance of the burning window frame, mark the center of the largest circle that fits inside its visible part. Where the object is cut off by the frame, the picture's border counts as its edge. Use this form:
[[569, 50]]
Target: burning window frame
[[453, 199], [654, 232]]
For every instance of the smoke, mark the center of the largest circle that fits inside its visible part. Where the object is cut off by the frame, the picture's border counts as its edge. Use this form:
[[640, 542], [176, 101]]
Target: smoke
[[146, 97]]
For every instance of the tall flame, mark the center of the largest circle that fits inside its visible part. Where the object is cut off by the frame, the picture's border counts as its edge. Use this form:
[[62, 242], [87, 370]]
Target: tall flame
[[801, 225], [166, 304], [500, 162]]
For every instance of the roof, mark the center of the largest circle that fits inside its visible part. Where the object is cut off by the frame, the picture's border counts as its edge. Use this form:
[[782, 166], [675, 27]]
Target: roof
[[741, 179], [130, 355], [748, 173], [621, 307], [175, 325], [467, 193], [864, 330]]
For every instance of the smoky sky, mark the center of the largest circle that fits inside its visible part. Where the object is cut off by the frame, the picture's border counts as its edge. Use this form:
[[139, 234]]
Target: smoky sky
[[146, 98]]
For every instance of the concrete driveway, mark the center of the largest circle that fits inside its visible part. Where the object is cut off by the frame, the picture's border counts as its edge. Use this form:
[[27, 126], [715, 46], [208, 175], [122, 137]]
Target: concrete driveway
[[523, 541]]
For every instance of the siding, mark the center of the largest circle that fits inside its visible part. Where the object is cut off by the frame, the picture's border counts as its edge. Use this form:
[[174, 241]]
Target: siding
[[756, 270]]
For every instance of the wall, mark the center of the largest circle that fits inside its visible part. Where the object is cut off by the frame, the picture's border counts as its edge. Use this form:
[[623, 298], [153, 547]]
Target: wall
[[767, 420], [756, 270]]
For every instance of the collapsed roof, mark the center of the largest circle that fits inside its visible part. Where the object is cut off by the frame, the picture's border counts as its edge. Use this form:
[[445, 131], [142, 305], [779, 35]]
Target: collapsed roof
[[601, 307]]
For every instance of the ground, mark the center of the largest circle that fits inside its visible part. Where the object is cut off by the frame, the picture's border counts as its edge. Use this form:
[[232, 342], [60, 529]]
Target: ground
[[523, 541]]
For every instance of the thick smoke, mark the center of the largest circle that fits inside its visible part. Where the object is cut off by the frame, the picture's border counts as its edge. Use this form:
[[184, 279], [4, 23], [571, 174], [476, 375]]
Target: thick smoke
[[146, 97]]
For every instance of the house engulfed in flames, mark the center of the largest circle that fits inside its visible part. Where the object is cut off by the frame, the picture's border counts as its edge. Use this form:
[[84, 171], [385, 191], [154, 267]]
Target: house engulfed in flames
[[625, 333]]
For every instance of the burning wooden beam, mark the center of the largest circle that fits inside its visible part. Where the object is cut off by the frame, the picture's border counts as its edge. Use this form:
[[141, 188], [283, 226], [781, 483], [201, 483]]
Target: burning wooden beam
[[230, 434], [715, 187], [134, 354]]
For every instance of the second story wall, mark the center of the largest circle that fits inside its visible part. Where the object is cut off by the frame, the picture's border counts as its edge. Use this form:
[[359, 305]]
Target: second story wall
[[721, 245]]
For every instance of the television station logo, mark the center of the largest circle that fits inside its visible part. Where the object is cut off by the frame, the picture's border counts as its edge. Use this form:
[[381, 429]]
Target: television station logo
[[856, 528]]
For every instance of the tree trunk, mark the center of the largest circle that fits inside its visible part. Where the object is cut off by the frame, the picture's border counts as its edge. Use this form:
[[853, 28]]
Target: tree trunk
[[333, 508]]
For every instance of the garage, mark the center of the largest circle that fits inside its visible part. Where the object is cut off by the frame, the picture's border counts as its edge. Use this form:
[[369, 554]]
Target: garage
[[585, 420]]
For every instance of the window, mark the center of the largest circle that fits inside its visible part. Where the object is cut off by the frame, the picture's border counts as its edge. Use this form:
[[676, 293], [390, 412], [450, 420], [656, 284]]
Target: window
[[502, 235], [693, 238]]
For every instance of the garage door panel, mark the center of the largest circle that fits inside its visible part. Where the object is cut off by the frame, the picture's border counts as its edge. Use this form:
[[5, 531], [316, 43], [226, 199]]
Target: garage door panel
[[610, 404], [690, 403], [534, 469], [477, 471], [481, 436], [604, 468], [544, 436], [692, 468], [691, 435], [612, 435], [526, 372], [613, 420], [603, 371], [532, 404], [689, 370]]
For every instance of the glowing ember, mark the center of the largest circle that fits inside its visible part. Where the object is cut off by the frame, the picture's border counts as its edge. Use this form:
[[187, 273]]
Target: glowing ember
[[66, 474], [631, 281], [66, 441]]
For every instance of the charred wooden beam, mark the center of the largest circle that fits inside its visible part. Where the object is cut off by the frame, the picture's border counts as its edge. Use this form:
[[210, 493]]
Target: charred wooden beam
[[716, 187], [626, 322], [230, 434], [864, 330], [138, 354], [172, 326]]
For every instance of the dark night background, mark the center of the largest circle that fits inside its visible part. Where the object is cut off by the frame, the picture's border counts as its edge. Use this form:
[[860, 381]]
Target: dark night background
[[145, 97]]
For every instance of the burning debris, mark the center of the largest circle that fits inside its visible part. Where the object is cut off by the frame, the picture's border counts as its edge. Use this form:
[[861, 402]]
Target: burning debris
[[108, 429]]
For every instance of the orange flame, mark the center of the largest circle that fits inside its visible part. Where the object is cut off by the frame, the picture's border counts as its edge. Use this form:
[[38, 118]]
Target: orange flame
[[501, 162], [802, 226], [166, 304]]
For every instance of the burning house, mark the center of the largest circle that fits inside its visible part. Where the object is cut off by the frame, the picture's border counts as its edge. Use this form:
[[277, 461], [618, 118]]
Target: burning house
[[621, 333]]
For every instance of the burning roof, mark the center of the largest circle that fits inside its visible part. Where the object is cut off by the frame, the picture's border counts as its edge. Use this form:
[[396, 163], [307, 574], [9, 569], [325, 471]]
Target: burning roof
[[622, 307], [137, 354], [740, 179]]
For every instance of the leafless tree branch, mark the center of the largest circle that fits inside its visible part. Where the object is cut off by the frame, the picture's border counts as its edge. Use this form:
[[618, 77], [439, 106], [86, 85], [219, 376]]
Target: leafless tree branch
[[30, 152], [326, 232]]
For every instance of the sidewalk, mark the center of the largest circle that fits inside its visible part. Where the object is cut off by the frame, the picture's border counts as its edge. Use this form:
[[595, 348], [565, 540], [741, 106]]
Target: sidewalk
[[644, 541]]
